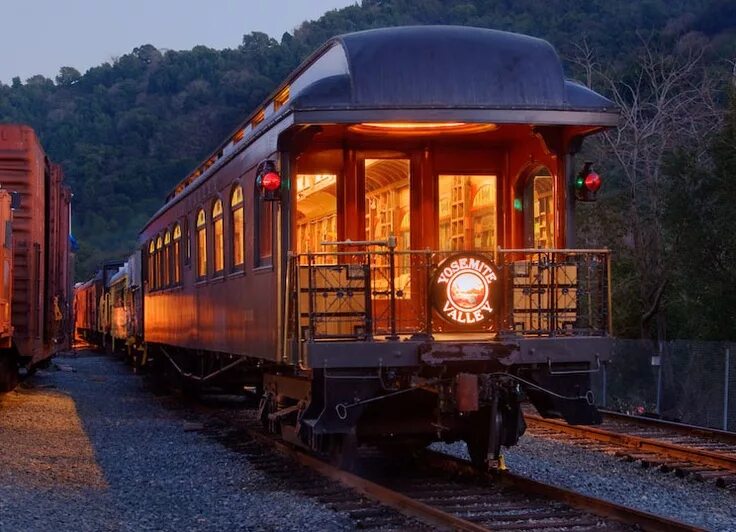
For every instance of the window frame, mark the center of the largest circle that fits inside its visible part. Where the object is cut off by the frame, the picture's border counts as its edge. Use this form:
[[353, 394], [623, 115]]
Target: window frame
[[151, 262], [159, 248], [237, 205], [201, 265], [218, 243], [260, 261], [166, 269]]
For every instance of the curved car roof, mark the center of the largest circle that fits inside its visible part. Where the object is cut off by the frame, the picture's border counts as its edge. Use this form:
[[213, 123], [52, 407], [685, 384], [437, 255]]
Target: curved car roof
[[444, 67]]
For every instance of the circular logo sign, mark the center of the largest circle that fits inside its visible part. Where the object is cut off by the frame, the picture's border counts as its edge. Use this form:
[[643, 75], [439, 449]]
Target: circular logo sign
[[463, 290]]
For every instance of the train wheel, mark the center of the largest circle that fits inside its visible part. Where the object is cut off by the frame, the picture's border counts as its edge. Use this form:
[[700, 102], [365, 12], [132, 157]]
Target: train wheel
[[484, 444], [8, 373]]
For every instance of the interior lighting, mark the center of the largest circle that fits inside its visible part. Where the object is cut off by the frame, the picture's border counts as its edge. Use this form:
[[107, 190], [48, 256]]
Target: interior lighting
[[414, 125], [414, 128]]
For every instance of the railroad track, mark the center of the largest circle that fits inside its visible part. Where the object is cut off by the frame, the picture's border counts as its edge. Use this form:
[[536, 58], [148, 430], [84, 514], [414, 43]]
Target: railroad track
[[688, 451], [440, 492]]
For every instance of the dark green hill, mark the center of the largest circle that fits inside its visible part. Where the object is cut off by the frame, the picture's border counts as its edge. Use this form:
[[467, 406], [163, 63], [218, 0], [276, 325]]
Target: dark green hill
[[126, 132]]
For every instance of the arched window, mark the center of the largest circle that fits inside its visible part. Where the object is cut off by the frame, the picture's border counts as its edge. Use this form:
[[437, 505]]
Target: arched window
[[238, 229], [539, 209], [167, 260], [219, 236], [201, 244], [159, 261], [177, 254], [151, 265]]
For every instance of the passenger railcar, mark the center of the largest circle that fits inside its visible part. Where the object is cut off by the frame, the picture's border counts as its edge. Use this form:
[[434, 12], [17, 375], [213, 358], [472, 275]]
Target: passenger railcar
[[385, 246], [92, 304], [125, 313], [40, 267]]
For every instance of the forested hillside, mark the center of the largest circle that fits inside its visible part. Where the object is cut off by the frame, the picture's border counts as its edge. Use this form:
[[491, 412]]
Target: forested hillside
[[128, 130]]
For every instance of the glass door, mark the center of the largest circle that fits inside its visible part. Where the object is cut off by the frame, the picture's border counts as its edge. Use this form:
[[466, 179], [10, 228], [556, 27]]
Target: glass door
[[467, 213], [539, 212], [387, 214]]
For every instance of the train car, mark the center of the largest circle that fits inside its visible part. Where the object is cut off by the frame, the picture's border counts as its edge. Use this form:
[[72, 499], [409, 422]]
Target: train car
[[7, 363], [85, 309], [126, 304], [93, 305], [40, 259], [385, 247]]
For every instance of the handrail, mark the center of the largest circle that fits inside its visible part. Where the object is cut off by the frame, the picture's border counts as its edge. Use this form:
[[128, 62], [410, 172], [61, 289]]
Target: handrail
[[389, 243], [554, 250]]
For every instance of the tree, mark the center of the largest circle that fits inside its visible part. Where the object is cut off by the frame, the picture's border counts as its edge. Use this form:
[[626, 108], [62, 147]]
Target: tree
[[67, 76], [699, 215], [667, 103]]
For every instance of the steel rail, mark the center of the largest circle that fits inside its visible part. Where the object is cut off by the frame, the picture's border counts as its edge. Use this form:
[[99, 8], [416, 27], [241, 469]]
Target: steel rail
[[439, 518], [601, 507], [385, 496], [682, 428], [662, 448]]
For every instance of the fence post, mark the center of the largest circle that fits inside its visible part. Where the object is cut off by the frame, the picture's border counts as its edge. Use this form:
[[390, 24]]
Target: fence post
[[659, 378], [604, 369], [725, 388]]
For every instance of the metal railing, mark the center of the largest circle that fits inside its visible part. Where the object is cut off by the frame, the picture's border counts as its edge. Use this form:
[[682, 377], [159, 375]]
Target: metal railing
[[557, 292], [362, 294]]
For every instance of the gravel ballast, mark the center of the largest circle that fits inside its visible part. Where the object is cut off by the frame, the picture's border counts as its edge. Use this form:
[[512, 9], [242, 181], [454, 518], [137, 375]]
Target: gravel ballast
[[626, 483], [89, 448]]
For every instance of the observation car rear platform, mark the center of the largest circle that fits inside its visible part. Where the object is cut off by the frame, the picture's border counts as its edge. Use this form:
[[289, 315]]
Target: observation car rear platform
[[387, 245]]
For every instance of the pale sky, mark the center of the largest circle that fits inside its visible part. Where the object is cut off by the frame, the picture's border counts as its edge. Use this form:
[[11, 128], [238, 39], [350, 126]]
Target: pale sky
[[40, 36]]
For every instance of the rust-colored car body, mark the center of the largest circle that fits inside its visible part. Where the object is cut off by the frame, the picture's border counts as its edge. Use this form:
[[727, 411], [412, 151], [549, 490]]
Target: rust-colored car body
[[6, 271], [40, 235]]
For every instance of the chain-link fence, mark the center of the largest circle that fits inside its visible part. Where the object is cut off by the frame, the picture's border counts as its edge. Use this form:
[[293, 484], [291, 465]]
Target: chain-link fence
[[688, 381]]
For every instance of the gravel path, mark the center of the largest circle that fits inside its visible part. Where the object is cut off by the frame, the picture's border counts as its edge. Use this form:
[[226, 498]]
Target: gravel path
[[599, 475], [88, 448]]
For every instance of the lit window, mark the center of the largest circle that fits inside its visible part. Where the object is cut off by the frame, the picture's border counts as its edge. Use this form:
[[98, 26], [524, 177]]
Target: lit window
[[177, 254], [316, 205], [537, 206], [544, 210], [467, 212], [159, 265], [151, 268], [257, 119], [219, 236], [167, 259], [236, 203], [201, 245], [281, 98]]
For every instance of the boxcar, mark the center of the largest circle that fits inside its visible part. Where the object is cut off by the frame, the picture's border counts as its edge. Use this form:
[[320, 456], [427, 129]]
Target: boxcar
[[7, 363], [40, 266], [386, 246]]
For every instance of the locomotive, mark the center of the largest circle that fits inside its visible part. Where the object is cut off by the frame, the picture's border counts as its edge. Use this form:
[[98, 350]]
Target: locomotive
[[384, 249], [35, 282]]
